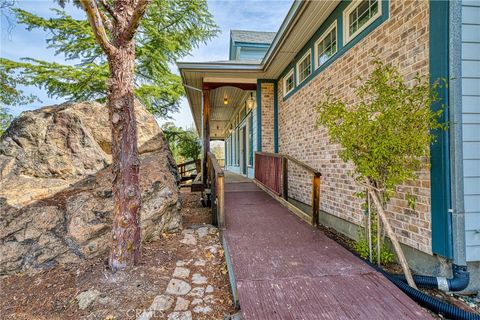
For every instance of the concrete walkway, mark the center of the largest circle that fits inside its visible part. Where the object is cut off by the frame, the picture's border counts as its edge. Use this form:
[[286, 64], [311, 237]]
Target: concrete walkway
[[286, 269]]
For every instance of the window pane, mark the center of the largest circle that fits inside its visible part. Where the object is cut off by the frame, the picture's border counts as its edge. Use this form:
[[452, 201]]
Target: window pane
[[289, 84], [304, 68], [362, 14], [327, 47]]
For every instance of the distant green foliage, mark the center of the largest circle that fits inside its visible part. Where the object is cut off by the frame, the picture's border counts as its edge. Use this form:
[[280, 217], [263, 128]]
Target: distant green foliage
[[5, 120], [10, 95], [219, 152], [184, 144], [361, 246], [168, 32], [388, 132]]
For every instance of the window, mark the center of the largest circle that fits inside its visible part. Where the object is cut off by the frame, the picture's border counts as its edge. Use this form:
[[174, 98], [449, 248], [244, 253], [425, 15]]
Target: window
[[326, 46], [304, 67], [288, 83], [359, 15]]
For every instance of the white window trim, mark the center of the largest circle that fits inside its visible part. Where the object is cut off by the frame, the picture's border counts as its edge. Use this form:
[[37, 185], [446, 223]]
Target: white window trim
[[346, 21], [322, 37], [288, 75], [308, 53]]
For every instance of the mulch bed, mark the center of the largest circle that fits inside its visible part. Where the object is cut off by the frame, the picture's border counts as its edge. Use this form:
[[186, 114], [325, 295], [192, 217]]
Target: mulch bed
[[51, 294]]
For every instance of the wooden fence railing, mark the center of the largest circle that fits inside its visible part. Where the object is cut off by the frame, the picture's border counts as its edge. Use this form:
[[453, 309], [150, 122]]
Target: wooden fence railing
[[216, 182], [188, 170], [268, 170], [271, 170]]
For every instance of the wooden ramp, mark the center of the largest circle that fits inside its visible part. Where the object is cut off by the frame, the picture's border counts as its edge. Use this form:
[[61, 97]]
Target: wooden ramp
[[286, 269]]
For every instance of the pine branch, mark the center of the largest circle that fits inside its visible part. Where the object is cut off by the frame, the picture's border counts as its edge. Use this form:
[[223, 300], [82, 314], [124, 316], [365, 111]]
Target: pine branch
[[96, 22]]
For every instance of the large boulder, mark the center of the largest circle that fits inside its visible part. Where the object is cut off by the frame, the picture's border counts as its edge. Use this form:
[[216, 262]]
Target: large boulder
[[55, 185]]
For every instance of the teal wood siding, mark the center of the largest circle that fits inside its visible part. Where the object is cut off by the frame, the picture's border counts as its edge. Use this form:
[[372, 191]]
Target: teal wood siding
[[471, 124], [250, 53]]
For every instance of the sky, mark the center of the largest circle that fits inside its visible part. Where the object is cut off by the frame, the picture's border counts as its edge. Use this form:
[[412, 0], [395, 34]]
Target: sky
[[265, 15]]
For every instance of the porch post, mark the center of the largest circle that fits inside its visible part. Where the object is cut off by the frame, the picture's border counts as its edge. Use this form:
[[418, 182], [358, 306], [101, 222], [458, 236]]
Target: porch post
[[206, 134]]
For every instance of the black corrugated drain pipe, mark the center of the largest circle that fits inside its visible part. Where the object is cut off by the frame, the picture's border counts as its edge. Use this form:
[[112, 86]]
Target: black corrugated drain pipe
[[435, 305], [460, 280]]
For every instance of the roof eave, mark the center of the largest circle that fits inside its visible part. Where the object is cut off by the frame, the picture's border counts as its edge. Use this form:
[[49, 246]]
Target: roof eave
[[219, 66]]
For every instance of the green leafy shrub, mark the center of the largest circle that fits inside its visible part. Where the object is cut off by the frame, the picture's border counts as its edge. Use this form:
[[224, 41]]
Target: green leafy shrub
[[361, 246]]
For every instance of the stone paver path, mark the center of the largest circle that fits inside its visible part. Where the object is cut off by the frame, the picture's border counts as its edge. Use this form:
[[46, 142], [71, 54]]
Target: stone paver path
[[188, 292]]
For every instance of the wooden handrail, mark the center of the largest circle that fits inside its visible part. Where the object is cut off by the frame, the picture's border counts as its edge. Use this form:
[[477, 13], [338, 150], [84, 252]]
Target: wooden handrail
[[265, 178], [216, 167], [186, 163], [303, 165], [290, 158], [216, 182]]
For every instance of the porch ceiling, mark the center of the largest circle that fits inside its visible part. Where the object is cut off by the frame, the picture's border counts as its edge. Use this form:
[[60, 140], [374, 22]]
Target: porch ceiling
[[220, 113]]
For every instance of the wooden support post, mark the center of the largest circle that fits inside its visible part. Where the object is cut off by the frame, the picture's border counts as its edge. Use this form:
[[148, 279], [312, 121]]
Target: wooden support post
[[206, 133], [315, 199], [221, 201], [285, 178]]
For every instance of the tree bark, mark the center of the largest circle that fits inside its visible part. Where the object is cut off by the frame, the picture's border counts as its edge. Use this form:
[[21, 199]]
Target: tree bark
[[393, 238], [126, 244], [120, 51]]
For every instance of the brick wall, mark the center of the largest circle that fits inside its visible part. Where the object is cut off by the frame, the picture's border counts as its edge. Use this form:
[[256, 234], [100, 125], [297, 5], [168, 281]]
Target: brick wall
[[267, 117], [403, 41]]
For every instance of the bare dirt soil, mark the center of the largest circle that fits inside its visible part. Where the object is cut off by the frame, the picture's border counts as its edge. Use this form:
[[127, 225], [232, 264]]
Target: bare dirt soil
[[52, 294]]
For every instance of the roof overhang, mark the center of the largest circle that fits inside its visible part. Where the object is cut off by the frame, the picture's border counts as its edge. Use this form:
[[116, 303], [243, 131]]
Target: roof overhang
[[224, 80]]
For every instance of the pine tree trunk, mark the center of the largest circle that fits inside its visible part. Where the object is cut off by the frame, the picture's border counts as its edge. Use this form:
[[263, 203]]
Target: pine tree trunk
[[126, 244]]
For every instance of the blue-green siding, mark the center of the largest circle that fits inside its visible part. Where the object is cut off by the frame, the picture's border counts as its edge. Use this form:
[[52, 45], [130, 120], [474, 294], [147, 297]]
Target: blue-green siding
[[471, 125]]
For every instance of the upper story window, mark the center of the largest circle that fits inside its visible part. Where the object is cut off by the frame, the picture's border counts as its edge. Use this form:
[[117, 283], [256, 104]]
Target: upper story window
[[288, 83], [304, 67], [326, 45], [359, 15]]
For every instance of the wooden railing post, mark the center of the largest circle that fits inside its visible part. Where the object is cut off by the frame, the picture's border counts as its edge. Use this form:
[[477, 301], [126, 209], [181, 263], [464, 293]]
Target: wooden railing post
[[285, 178], [315, 199], [221, 201], [217, 190]]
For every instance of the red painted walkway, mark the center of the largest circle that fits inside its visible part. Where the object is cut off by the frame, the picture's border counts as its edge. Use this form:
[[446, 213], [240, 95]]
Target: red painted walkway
[[286, 269]]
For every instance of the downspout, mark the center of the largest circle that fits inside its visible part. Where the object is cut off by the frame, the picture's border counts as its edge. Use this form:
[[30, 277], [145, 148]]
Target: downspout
[[461, 276]]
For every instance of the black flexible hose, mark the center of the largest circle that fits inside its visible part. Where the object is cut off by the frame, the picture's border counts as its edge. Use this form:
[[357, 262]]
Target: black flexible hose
[[460, 280], [435, 305]]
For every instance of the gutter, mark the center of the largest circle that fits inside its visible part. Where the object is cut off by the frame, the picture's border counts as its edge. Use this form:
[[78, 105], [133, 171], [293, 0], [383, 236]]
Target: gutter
[[248, 67]]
